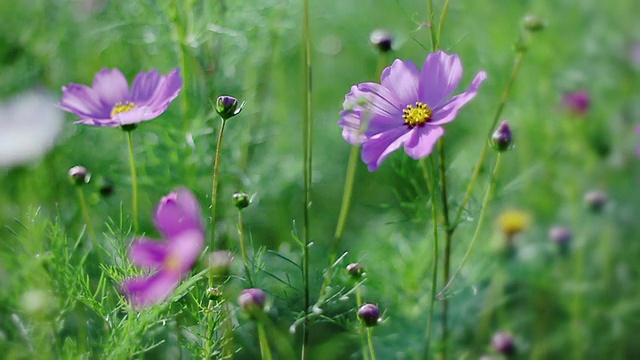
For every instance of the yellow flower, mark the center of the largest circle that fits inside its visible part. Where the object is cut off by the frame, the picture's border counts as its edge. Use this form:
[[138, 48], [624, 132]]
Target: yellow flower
[[513, 221]]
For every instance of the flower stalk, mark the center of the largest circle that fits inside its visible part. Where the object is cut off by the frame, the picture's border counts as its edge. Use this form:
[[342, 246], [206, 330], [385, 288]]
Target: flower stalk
[[243, 249], [434, 268], [214, 185], [87, 218], [134, 179]]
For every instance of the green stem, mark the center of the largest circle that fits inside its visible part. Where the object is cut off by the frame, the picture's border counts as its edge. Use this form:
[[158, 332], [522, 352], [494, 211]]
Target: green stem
[[179, 29], [447, 242], [134, 181], [443, 15], [307, 127], [227, 345], [265, 350], [485, 203], [85, 215], [434, 266], [432, 31], [346, 199], [365, 354], [214, 186], [243, 249], [483, 152], [372, 351]]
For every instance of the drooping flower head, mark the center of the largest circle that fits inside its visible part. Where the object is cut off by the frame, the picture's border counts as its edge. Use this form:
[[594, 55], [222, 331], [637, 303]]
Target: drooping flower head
[[408, 108], [110, 101], [178, 219]]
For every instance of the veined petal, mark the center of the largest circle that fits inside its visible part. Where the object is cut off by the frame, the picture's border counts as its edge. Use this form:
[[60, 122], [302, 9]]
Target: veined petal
[[146, 291], [422, 140], [111, 86], [137, 115], [449, 110], [441, 74], [401, 78], [351, 124], [381, 101], [177, 212], [379, 124], [145, 86], [185, 248], [157, 91], [145, 252], [84, 102], [98, 122], [377, 148]]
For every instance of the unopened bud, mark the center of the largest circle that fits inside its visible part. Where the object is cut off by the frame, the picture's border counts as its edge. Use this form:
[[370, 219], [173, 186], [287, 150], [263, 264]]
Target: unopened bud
[[220, 263], [503, 343], [382, 40], [356, 271], [241, 200], [533, 23], [596, 200], [502, 138], [252, 301], [214, 293], [369, 314], [227, 107], [79, 175]]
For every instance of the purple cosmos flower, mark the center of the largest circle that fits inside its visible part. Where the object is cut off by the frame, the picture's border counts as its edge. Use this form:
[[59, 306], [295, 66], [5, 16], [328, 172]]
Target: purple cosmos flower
[[407, 109], [177, 218], [110, 102]]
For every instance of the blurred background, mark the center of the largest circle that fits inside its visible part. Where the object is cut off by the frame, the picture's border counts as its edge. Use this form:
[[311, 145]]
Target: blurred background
[[564, 285]]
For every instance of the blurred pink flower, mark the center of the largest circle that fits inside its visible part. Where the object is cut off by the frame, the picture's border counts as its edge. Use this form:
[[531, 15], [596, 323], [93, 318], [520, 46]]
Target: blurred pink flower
[[577, 102], [177, 218]]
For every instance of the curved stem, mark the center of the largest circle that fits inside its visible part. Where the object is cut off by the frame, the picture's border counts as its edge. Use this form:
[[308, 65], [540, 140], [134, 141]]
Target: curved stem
[[214, 186], [307, 126], [372, 350], [485, 203], [443, 15], [483, 152], [134, 181], [243, 249], [346, 200], [265, 350], [85, 215], [434, 267]]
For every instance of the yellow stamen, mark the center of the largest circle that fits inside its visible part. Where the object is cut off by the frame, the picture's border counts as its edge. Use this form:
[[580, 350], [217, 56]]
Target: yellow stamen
[[416, 115], [122, 107], [171, 263]]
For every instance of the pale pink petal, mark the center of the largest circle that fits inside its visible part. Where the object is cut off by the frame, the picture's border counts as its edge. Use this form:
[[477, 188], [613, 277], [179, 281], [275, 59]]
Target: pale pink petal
[[401, 78], [111, 86], [146, 291], [381, 101], [379, 147], [449, 110], [441, 74], [145, 252], [177, 212], [84, 102], [422, 140], [185, 249]]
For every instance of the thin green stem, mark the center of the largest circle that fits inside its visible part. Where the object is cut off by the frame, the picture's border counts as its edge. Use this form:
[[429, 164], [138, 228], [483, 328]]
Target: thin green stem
[[365, 354], [447, 242], [483, 152], [434, 266], [134, 181], [179, 29], [372, 350], [346, 199], [85, 215], [483, 211], [432, 31], [243, 249], [265, 350], [307, 126], [443, 15], [214, 186], [227, 345]]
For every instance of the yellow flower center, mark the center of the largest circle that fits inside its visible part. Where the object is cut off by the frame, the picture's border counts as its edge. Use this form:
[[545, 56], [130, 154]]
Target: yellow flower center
[[171, 263], [416, 115], [122, 107]]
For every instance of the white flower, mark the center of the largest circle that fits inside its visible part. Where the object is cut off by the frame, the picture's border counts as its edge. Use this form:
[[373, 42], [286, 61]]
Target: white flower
[[29, 125]]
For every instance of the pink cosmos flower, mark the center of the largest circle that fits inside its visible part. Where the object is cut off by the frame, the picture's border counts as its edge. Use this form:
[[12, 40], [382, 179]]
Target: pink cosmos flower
[[110, 102], [178, 219], [408, 108]]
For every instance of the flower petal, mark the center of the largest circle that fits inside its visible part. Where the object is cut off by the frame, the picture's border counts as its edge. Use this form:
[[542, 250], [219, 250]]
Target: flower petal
[[156, 91], [441, 74], [401, 78], [84, 102], [145, 252], [380, 100], [146, 291], [111, 86], [177, 212], [449, 110], [185, 248], [422, 140], [377, 148], [352, 116]]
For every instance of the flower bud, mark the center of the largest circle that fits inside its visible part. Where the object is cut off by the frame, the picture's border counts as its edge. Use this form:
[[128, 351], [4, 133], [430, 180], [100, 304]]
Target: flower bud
[[560, 234], [220, 263], [596, 200], [227, 107], [79, 175], [502, 138], [381, 40], [503, 343], [369, 314], [105, 187], [356, 271], [252, 301], [533, 23], [577, 102], [214, 293], [241, 200]]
